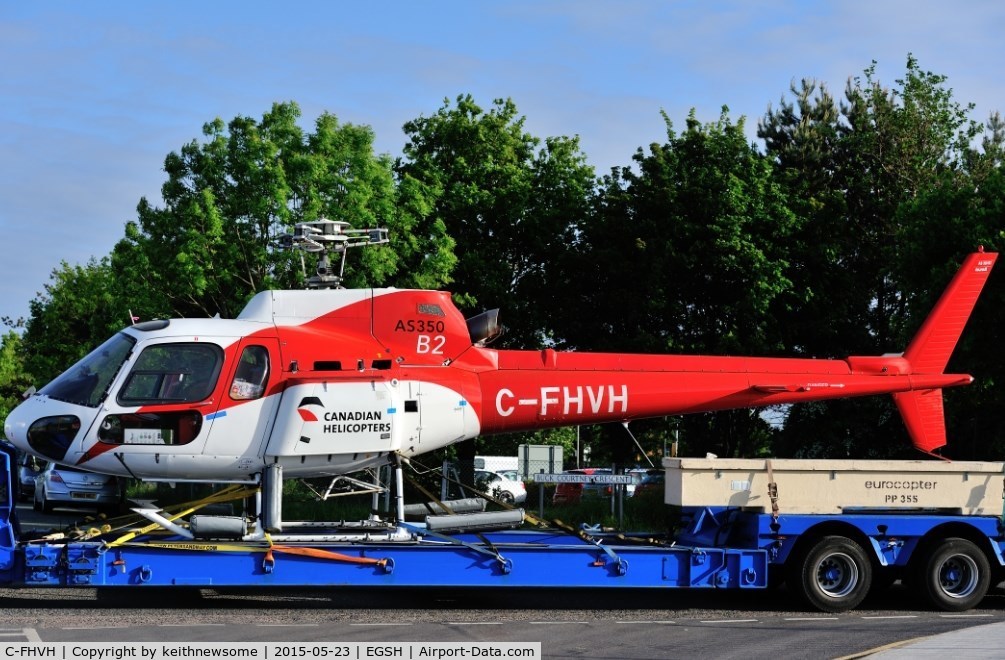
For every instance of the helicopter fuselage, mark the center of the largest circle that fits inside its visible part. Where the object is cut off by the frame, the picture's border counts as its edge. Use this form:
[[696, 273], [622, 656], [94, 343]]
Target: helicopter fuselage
[[326, 382]]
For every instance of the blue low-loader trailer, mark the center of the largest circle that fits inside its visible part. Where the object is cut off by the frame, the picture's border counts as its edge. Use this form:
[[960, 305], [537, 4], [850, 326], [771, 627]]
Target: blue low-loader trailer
[[733, 541], [365, 554]]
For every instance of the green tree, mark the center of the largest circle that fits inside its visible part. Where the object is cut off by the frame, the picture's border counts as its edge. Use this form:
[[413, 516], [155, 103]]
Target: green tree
[[511, 204], [941, 226], [512, 207], [211, 246], [849, 168], [686, 249], [78, 310], [14, 377], [686, 255]]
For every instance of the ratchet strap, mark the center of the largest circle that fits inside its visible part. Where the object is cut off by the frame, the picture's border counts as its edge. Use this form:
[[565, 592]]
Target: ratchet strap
[[232, 492]]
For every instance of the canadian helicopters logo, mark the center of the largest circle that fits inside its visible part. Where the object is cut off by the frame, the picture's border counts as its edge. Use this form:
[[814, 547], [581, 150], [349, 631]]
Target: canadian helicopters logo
[[365, 421], [306, 413]]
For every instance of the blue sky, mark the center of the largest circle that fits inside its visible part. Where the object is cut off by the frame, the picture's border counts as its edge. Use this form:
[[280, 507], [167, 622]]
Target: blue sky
[[94, 95]]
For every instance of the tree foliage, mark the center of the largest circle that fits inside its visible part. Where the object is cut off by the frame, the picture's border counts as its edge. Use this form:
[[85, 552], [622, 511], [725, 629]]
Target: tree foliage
[[686, 252], [940, 226], [78, 310], [511, 204], [14, 376], [849, 169], [211, 246]]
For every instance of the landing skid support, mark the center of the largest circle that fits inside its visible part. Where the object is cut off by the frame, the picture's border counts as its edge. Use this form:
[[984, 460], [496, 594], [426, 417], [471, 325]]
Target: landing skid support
[[272, 498], [399, 489]]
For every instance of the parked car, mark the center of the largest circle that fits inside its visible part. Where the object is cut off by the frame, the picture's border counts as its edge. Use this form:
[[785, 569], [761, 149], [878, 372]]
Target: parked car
[[67, 486], [28, 469], [653, 485], [512, 475], [510, 491], [637, 474], [572, 493]]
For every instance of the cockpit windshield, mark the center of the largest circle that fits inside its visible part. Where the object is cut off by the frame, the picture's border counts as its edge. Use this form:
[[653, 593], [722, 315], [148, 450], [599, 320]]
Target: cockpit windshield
[[87, 382]]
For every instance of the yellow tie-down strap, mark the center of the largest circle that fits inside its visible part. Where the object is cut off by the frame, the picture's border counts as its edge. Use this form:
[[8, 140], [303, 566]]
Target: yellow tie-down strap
[[233, 492]]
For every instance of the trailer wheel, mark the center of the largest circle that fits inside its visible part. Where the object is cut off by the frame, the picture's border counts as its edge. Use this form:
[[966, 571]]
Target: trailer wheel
[[956, 575], [834, 575]]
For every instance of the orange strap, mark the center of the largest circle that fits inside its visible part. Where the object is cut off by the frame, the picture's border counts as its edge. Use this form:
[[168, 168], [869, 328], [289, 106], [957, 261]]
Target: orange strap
[[327, 554]]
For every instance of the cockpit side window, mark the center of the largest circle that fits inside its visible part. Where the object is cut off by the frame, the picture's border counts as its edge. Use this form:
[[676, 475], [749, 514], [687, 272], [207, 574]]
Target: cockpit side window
[[252, 374], [172, 374]]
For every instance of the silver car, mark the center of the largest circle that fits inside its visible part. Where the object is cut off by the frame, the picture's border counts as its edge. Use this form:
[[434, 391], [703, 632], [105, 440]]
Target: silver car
[[28, 469], [510, 491], [65, 486]]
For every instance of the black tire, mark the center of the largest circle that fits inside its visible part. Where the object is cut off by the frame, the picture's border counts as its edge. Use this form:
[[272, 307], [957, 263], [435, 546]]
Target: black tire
[[955, 575], [506, 496], [833, 575]]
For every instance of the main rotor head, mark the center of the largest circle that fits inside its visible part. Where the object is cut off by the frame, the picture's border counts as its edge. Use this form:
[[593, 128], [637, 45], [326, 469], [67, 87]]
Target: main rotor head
[[326, 237]]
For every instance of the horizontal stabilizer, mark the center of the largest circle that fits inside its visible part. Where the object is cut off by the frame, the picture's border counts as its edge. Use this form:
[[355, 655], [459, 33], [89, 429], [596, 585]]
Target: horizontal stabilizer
[[771, 389]]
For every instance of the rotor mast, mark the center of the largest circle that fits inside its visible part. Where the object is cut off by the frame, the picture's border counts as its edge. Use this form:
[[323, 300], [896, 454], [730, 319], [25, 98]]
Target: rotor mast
[[328, 238]]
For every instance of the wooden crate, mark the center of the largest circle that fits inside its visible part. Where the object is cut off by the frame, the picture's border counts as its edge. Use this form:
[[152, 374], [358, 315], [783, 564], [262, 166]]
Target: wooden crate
[[834, 486]]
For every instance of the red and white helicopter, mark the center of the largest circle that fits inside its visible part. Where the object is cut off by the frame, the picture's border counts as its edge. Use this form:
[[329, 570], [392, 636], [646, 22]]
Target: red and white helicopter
[[327, 381]]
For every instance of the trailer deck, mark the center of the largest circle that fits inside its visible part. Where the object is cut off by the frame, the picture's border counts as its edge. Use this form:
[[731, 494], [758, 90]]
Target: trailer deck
[[830, 560]]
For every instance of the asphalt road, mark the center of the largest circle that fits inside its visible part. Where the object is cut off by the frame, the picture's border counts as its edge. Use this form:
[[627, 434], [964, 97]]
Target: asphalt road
[[569, 624]]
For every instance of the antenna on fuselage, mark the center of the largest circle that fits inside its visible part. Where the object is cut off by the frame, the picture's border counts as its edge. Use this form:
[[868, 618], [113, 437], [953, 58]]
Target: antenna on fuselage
[[327, 237]]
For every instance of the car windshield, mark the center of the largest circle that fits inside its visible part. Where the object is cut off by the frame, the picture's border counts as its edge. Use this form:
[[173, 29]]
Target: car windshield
[[86, 383]]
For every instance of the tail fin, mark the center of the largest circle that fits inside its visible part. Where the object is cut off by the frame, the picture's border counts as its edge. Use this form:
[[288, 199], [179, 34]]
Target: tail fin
[[932, 346], [930, 349]]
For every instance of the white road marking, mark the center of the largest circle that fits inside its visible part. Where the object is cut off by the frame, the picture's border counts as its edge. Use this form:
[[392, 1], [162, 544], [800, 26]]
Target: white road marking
[[644, 622], [898, 616], [812, 618], [729, 621], [964, 616], [380, 624], [557, 623], [474, 623]]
